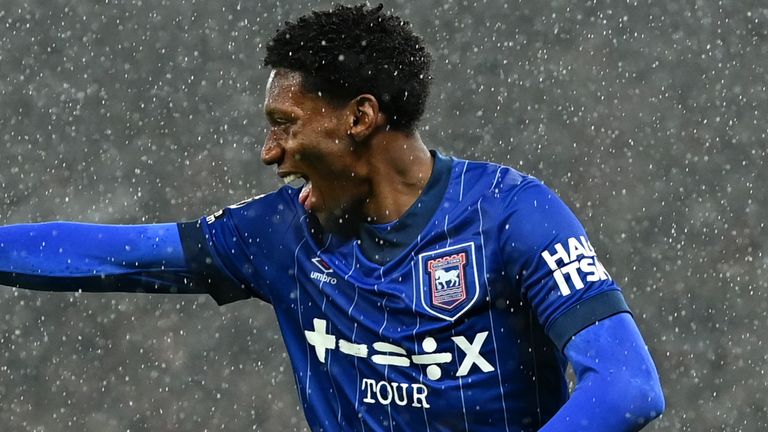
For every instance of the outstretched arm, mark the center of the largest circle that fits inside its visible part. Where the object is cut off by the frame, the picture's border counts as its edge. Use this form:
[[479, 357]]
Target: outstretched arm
[[67, 256], [617, 386]]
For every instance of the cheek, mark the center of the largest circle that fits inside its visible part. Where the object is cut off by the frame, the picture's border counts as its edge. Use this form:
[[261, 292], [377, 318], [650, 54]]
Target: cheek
[[325, 143], [293, 140], [331, 128]]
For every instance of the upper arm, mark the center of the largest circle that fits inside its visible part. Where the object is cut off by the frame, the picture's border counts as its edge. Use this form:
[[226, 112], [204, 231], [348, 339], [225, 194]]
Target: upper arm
[[556, 267], [238, 249], [209, 268], [615, 347], [618, 387]]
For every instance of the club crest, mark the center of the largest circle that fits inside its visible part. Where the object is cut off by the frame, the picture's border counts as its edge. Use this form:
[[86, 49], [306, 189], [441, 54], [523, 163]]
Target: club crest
[[449, 280]]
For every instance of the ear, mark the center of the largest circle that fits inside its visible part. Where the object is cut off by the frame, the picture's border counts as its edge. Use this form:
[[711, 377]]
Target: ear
[[365, 118]]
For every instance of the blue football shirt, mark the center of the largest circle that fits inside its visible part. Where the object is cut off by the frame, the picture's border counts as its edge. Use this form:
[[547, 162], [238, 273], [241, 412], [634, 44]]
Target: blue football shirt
[[452, 318]]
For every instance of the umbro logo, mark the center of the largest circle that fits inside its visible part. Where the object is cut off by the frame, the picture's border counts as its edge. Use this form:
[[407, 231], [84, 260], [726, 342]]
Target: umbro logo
[[326, 270]]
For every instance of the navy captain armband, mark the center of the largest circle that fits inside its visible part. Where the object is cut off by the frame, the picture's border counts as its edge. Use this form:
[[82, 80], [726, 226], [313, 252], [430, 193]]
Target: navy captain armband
[[584, 314]]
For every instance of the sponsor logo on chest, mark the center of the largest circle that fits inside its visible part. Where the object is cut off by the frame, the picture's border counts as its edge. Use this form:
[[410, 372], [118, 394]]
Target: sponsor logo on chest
[[572, 263], [466, 353]]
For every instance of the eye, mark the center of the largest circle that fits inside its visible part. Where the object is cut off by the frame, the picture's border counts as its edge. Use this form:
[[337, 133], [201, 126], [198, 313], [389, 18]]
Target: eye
[[279, 121]]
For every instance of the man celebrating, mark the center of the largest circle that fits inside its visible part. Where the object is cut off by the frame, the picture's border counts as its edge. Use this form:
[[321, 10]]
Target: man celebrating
[[414, 291]]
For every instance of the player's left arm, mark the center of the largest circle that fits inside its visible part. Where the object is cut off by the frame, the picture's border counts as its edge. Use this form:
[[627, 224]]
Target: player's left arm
[[583, 313], [617, 388]]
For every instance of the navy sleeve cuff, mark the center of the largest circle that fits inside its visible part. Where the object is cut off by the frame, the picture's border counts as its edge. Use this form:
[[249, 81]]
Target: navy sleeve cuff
[[585, 314], [219, 285]]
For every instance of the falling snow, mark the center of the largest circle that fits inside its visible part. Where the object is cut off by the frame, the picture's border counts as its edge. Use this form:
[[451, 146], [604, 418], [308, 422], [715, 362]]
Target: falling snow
[[649, 118]]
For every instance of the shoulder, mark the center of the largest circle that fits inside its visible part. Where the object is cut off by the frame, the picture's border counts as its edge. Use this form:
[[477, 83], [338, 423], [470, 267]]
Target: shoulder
[[527, 210], [497, 182], [275, 207]]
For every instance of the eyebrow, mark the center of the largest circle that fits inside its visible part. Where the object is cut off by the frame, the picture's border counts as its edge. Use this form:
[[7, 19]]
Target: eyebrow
[[274, 112]]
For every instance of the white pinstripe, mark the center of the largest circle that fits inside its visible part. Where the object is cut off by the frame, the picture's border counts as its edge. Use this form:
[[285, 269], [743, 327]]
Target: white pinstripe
[[322, 308], [415, 329], [453, 330], [298, 307], [330, 357], [354, 334], [376, 288], [381, 330], [535, 367], [490, 305]]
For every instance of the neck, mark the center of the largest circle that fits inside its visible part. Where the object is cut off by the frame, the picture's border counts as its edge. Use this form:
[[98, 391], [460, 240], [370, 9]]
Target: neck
[[397, 175]]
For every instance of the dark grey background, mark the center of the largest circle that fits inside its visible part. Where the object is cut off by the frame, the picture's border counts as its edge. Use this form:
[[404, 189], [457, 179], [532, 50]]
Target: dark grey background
[[647, 117]]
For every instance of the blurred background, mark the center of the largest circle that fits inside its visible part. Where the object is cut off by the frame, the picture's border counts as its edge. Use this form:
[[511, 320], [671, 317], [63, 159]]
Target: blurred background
[[647, 117]]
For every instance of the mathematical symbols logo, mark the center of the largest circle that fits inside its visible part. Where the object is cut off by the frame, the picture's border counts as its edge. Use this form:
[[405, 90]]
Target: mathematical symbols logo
[[449, 280], [437, 359]]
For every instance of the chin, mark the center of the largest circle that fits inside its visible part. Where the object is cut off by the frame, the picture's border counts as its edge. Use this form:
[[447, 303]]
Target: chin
[[342, 219]]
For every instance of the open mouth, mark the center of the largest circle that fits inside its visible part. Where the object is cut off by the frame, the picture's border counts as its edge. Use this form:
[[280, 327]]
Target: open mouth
[[295, 180], [300, 181]]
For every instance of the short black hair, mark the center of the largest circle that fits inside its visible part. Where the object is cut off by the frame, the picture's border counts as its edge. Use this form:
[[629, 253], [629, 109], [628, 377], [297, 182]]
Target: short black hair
[[352, 50]]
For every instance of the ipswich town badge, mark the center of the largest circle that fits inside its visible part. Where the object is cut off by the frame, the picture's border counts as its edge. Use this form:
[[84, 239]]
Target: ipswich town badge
[[449, 280]]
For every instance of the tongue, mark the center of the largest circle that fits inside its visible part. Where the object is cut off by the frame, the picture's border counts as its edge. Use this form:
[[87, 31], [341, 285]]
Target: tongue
[[304, 195]]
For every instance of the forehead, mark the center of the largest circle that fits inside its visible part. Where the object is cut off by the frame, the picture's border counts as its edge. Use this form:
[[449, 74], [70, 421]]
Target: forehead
[[286, 92], [283, 83]]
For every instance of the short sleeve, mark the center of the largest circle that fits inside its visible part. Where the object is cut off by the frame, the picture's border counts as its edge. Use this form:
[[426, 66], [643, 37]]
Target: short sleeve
[[218, 276], [548, 253]]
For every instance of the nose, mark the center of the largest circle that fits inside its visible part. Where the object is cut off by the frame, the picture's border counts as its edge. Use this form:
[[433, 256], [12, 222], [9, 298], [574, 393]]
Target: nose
[[272, 152]]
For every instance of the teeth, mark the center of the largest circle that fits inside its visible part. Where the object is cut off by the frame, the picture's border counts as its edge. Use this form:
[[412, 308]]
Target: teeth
[[294, 179], [290, 178]]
